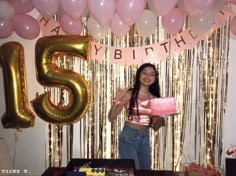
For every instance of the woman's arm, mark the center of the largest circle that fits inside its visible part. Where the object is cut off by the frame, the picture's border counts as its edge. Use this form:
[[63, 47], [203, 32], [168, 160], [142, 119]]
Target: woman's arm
[[115, 111], [121, 99]]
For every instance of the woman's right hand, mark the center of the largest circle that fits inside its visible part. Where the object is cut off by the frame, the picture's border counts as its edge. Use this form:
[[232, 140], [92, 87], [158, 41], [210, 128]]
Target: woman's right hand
[[120, 93], [121, 98]]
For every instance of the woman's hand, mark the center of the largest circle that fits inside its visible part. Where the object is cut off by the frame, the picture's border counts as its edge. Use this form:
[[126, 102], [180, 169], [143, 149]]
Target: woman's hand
[[121, 98], [157, 122], [120, 93]]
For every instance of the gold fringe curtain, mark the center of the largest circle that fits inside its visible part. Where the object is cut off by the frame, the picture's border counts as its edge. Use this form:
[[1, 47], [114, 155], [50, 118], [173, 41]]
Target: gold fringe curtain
[[197, 78]]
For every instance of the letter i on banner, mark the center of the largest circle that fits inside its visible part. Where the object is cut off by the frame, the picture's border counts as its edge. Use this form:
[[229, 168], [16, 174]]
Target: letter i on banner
[[18, 114]]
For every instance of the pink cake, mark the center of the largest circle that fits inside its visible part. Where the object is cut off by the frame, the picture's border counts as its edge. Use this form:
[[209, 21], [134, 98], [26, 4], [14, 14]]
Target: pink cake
[[163, 106]]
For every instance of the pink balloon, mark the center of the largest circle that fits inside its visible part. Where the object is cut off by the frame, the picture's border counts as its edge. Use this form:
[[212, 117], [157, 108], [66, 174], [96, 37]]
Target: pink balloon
[[47, 8], [197, 7], [233, 25], [130, 10], [22, 6], [6, 28], [162, 7], [102, 10], [26, 26], [74, 8], [70, 26], [118, 27], [7, 11], [173, 21]]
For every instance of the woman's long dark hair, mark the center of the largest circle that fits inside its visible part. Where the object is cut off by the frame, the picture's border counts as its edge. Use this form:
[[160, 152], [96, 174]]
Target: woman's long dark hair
[[154, 89]]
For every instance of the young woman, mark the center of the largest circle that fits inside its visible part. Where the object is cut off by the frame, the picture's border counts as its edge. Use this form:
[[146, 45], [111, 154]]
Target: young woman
[[134, 138]]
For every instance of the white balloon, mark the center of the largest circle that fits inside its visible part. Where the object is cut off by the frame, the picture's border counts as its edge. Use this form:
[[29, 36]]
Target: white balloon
[[95, 29], [202, 24], [6, 10], [147, 23]]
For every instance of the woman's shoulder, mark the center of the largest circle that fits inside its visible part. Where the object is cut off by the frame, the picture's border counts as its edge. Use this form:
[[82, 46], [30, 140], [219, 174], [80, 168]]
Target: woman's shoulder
[[127, 94]]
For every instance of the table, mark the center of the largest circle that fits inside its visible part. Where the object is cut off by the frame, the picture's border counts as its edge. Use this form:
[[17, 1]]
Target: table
[[53, 171], [230, 166]]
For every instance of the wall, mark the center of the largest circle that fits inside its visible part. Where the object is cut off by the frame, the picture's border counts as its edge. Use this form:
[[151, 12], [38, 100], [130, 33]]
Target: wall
[[28, 145], [230, 121]]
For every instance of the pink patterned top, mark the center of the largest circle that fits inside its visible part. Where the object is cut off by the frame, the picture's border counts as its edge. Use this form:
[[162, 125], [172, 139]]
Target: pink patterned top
[[144, 109]]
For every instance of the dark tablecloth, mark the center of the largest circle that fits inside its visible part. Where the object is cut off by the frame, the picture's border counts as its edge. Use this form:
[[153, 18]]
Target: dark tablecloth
[[53, 171]]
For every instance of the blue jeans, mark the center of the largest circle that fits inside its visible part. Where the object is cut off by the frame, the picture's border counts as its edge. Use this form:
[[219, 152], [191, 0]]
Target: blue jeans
[[134, 144]]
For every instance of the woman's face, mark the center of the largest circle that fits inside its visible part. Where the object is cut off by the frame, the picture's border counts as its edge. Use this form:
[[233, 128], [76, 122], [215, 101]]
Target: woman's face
[[147, 76]]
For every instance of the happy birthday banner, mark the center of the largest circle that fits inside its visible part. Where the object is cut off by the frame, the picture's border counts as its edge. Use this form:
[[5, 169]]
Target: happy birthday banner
[[148, 53]]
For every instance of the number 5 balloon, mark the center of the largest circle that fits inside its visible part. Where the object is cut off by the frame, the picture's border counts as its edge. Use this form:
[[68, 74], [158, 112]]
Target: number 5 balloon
[[18, 114], [47, 50]]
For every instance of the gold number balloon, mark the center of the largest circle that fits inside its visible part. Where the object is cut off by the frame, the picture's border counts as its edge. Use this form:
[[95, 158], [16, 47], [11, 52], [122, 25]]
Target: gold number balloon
[[47, 50], [18, 114]]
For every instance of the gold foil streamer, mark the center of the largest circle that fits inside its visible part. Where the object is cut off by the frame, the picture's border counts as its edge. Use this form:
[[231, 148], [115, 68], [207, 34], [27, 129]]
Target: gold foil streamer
[[197, 78]]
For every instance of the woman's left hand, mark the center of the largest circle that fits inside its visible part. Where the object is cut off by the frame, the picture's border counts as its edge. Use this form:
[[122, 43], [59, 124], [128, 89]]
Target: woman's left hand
[[157, 122]]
